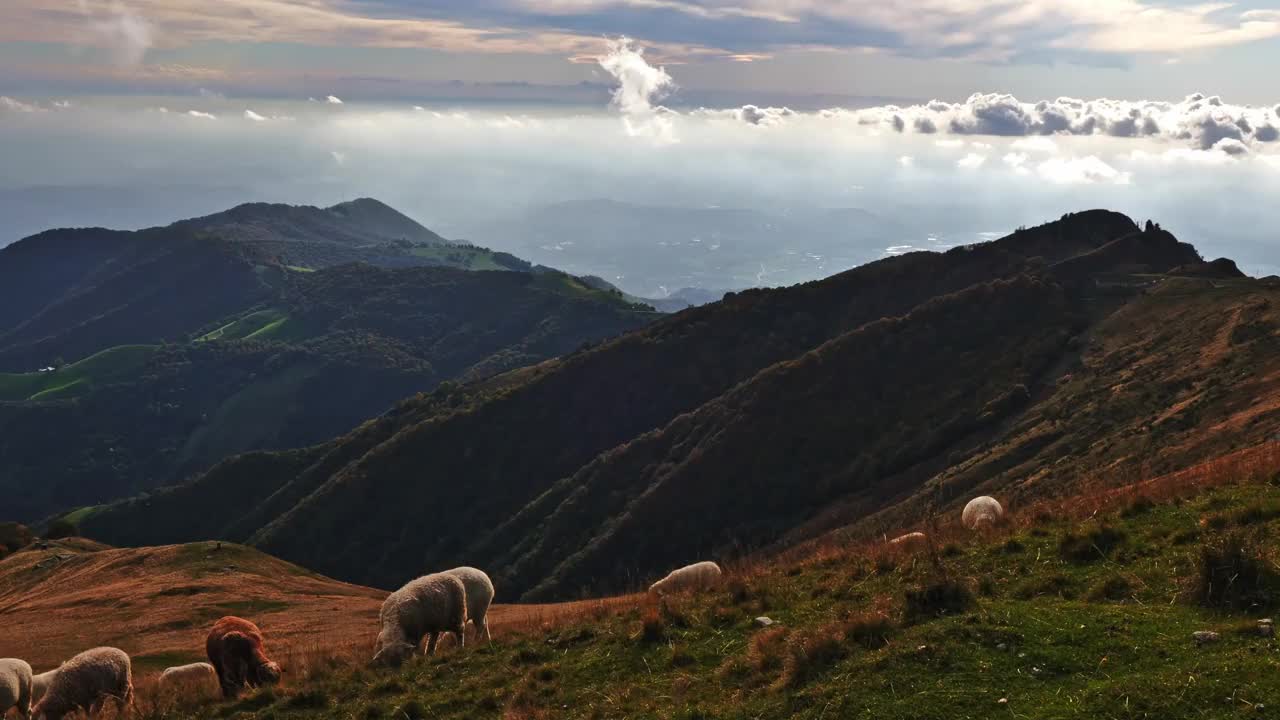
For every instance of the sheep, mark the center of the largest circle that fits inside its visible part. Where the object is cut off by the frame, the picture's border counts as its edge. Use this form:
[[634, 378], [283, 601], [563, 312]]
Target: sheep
[[691, 577], [235, 650], [479, 594], [911, 539], [40, 684], [980, 512], [430, 605], [15, 686], [86, 682], [199, 675]]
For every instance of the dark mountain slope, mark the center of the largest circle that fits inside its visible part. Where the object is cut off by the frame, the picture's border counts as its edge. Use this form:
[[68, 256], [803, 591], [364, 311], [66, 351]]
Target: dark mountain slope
[[71, 293], [486, 454], [348, 343], [755, 462], [1188, 370]]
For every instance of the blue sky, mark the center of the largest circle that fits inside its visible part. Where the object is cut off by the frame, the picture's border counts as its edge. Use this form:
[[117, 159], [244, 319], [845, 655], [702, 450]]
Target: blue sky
[[823, 50]]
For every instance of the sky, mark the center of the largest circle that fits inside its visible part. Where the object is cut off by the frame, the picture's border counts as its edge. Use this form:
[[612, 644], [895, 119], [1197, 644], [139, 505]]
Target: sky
[[944, 121], [805, 51]]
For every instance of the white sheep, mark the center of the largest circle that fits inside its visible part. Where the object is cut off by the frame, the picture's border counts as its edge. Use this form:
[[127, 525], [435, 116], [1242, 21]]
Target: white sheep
[[431, 605], [479, 595], [691, 577], [911, 539], [40, 684], [15, 686], [196, 676], [980, 512], [86, 682]]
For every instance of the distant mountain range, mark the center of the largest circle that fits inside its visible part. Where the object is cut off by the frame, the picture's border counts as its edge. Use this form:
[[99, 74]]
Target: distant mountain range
[[1086, 349], [131, 359]]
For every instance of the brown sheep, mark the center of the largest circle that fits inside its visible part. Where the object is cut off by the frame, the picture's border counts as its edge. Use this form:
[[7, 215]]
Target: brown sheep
[[235, 650]]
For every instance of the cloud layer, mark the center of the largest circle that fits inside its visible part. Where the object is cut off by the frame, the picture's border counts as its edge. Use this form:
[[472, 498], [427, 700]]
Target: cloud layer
[[1203, 122]]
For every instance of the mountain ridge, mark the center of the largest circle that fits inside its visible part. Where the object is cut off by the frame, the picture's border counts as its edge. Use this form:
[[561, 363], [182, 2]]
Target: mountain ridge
[[495, 452]]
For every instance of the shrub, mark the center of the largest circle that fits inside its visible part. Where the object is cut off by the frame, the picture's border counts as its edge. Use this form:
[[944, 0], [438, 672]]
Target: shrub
[[809, 655], [1115, 588], [1097, 544], [869, 631], [1255, 514], [61, 528], [681, 657], [766, 651], [1012, 546], [1232, 575], [940, 598], [653, 627], [1052, 586], [412, 709], [1140, 506]]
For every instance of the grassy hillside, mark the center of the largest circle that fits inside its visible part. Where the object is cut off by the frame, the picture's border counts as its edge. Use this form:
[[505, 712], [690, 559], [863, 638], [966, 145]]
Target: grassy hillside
[[77, 378], [608, 442], [1078, 608]]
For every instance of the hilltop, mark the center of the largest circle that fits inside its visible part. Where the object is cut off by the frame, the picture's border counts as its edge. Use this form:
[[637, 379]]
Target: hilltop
[[59, 597], [1026, 365], [132, 360], [363, 230]]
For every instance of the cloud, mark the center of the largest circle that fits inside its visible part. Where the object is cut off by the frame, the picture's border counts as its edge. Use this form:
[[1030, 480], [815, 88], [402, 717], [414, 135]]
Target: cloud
[[8, 104], [639, 87], [906, 161], [115, 26], [255, 117], [333, 100], [198, 114], [972, 161], [1081, 171], [1199, 120], [1231, 146], [339, 158], [1015, 159]]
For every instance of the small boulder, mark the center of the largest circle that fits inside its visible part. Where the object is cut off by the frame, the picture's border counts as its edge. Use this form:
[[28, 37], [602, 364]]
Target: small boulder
[[763, 621], [1204, 637], [1266, 628]]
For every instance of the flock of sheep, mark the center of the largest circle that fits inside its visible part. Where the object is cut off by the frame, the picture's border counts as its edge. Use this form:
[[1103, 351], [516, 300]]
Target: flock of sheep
[[428, 607]]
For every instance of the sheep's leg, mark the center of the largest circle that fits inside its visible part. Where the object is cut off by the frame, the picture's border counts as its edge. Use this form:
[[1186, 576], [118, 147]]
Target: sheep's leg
[[126, 703], [482, 628], [431, 643]]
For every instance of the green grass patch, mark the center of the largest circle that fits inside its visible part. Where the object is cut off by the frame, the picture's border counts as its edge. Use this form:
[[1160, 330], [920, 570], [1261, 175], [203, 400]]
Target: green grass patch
[[246, 326], [1106, 638], [77, 378]]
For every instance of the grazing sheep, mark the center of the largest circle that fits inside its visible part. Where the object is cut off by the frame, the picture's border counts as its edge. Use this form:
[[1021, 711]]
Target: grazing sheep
[[911, 539], [40, 684], [431, 605], [198, 675], [479, 594], [980, 512], [15, 686], [236, 652], [691, 577], [86, 682]]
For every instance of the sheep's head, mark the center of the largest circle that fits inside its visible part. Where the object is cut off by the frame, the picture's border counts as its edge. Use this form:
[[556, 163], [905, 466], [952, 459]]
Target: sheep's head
[[269, 673], [393, 655]]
